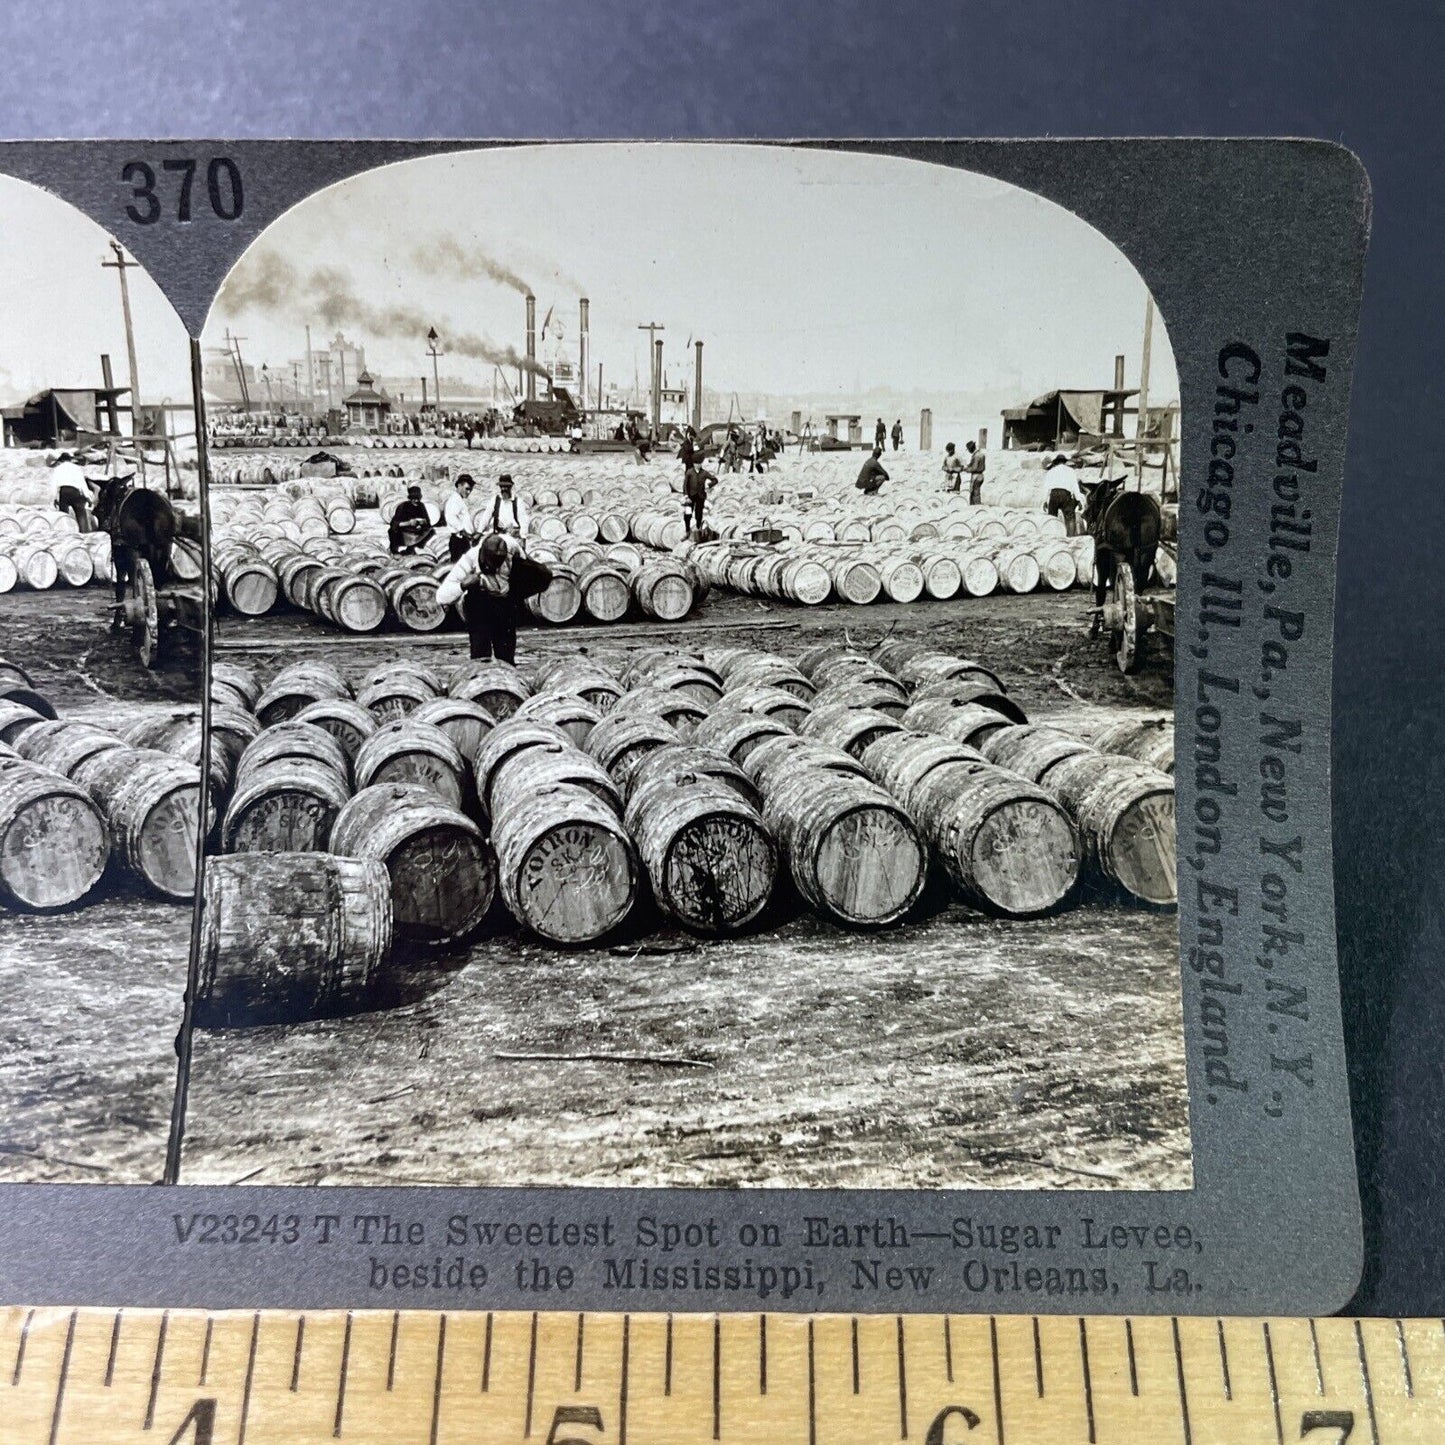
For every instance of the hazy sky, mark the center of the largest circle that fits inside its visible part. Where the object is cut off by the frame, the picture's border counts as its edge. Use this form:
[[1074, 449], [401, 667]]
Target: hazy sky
[[800, 271], [59, 310]]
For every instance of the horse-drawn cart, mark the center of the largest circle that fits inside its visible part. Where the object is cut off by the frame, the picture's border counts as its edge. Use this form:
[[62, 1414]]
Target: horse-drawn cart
[[1135, 557], [156, 553], [155, 550]]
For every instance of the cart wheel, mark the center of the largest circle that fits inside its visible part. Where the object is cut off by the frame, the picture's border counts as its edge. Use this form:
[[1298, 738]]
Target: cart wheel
[[145, 614], [1128, 641]]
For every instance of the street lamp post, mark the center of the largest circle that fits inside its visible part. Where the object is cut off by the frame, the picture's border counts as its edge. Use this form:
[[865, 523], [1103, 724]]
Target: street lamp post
[[434, 351]]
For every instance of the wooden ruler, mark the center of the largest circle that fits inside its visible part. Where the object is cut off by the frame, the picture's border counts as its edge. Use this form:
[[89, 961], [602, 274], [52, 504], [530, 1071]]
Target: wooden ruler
[[181, 1377]]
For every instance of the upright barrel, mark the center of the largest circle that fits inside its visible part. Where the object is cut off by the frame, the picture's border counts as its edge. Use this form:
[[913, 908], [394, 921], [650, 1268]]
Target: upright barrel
[[291, 936]]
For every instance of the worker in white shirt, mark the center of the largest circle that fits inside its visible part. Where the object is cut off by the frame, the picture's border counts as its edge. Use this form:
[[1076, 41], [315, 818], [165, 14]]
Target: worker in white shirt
[[70, 492], [457, 517], [1066, 496], [509, 516]]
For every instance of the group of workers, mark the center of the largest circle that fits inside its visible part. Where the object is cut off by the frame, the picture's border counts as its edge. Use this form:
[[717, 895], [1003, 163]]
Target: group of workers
[[491, 574]]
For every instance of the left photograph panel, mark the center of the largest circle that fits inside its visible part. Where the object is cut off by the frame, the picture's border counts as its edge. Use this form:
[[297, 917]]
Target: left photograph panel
[[102, 635]]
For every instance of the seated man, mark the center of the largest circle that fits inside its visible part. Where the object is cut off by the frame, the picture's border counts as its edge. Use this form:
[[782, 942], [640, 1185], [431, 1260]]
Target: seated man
[[411, 525]]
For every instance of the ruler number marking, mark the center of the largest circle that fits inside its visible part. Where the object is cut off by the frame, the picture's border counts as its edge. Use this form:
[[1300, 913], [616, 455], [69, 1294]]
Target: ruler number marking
[[202, 1415], [567, 1415], [1341, 1420]]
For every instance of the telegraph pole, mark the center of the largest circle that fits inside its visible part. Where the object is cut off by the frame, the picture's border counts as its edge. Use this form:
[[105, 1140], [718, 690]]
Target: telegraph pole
[[652, 328], [120, 266]]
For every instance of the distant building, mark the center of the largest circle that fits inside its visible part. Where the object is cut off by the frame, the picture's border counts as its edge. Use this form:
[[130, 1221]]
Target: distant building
[[367, 408], [1063, 418], [60, 415], [219, 376]]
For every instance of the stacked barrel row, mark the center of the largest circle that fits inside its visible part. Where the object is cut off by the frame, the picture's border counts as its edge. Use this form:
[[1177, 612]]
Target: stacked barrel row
[[82, 804], [705, 776], [42, 548]]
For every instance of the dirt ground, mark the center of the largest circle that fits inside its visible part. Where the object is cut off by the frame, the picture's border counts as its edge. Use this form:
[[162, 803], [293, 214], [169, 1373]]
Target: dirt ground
[[91, 998], [957, 1051]]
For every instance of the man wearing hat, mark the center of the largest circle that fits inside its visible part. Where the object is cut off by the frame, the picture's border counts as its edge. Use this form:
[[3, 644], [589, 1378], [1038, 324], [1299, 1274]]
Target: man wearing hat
[[481, 581], [411, 525], [457, 517], [70, 491], [510, 518]]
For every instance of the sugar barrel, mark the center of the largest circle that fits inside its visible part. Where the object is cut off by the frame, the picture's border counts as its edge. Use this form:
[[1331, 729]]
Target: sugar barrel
[[1031, 750], [763, 669], [298, 738], [497, 686], [62, 745], [561, 600], [1005, 843], [574, 715], [240, 678], [16, 718], [465, 723], [773, 760], [845, 726], [513, 735], [853, 853], [663, 590], [406, 751], [1149, 741], [54, 842], [707, 852], [863, 692], [287, 805], [620, 742], [732, 731], [566, 867], [1125, 811], [787, 707], [531, 768], [16, 686], [900, 761], [679, 760], [395, 695], [151, 802], [296, 685], [291, 936], [344, 718], [676, 707], [443, 875], [580, 676]]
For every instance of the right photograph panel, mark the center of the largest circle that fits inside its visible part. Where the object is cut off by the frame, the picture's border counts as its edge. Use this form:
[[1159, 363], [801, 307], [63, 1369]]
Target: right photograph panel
[[693, 676]]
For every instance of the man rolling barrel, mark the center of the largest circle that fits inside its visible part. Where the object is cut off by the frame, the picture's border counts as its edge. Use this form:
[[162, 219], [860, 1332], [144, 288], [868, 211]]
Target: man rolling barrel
[[492, 582]]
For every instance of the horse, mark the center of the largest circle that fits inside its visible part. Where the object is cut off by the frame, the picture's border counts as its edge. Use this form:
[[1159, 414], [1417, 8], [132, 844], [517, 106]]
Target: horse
[[1126, 527], [142, 526]]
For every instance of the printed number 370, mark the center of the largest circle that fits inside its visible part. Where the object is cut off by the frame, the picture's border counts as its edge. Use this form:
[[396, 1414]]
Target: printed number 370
[[224, 190]]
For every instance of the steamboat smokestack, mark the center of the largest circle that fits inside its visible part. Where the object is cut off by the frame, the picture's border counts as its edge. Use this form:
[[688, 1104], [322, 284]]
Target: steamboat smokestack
[[1118, 373], [657, 385], [697, 388], [583, 339], [531, 347]]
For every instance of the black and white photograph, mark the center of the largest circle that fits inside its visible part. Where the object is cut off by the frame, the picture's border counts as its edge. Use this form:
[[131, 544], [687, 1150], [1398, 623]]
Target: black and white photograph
[[101, 651], [692, 684]]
